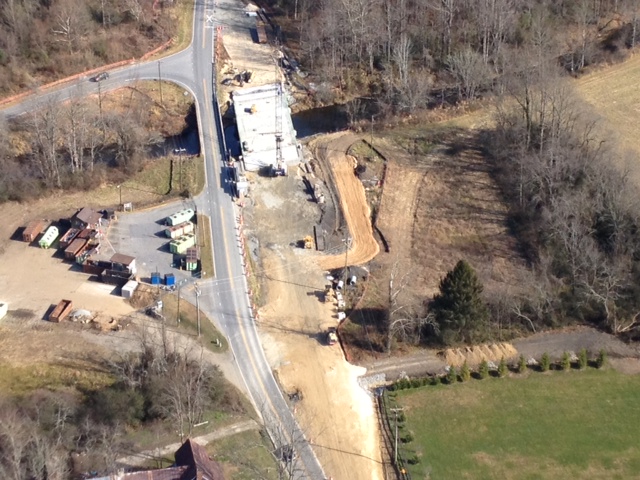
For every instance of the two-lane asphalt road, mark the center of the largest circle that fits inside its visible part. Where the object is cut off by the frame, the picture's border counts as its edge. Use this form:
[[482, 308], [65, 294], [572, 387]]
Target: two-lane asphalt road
[[224, 298]]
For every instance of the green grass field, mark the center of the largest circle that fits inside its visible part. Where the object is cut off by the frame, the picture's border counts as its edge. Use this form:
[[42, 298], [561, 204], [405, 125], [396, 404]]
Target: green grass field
[[245, 456], [210, 338], [577, 424]]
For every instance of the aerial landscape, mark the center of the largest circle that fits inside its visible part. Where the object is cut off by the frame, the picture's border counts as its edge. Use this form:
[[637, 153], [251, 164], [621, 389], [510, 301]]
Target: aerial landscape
[[283, 239]]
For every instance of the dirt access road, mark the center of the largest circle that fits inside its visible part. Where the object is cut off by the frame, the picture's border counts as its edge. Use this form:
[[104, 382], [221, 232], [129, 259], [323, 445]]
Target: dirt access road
[[332, 149], [336, 414]]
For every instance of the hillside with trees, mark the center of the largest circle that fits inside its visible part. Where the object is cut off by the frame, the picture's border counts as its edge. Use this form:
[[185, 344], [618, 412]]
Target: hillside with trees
[[44, 40], [408, 55], [571, 207]]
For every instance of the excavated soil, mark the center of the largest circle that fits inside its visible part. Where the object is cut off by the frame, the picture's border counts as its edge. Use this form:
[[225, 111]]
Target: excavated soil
[[336, 414], [332, 151]]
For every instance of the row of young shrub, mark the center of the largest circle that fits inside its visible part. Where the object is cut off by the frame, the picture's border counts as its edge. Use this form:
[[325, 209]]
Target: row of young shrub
[[484, 371]]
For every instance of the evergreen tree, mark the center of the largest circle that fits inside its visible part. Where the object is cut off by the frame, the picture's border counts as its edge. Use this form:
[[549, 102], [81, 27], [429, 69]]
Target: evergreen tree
[[583, 359], [459, 309], [602, 359], [483, 370], [566, 361], [502, 368], [452, 375], [545, 362], [465, 373], [522, 364]]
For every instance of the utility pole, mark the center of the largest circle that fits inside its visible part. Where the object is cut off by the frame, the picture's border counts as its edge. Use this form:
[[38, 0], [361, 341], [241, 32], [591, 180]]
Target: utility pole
[[198, 306], [347, 245], [179, 287], [160, 84], [104, 133], [395, 439], [100, 99], [371, 143], [180, 173], [180, 283]]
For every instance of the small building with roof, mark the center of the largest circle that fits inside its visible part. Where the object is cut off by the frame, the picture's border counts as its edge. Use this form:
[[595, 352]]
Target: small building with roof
[[192, 463], [123, 262], [86, 218]]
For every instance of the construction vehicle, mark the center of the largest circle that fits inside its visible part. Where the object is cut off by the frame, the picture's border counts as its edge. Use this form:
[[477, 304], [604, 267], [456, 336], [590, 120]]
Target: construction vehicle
[[332, 336], [308, 242]]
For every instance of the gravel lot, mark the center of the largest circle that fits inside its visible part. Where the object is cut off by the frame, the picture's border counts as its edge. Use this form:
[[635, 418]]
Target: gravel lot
[[141, 235]]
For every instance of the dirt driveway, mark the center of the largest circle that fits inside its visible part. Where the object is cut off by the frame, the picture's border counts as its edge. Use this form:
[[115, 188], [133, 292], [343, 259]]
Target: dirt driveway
[[336, 414]]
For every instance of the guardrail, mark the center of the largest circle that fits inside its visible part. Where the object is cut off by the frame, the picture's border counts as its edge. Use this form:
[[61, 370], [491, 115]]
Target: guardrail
[[224, 152]]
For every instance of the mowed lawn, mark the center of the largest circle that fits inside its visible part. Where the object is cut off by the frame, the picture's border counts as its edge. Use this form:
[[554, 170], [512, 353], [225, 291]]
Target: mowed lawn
[[578, 424]]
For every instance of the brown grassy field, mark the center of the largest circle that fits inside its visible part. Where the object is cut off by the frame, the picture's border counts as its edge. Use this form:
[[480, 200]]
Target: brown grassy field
[[614, 95], [439, 205]]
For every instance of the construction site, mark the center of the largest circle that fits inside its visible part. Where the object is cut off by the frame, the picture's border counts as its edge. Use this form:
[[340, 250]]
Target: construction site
[[265, 130]]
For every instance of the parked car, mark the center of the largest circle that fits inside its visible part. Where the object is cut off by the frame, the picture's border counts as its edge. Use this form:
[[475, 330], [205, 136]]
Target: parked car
[[227, 81], [100, 77], [332, 336]]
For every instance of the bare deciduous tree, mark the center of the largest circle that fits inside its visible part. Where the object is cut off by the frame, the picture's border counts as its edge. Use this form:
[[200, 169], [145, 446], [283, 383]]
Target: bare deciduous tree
[[403, 321], [470, 72], [402, 58], [45, 129]]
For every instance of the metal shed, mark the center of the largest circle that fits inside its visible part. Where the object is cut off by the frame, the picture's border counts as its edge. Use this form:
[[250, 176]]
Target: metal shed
[[191, 262], [180, 245], [179, 230], [74, 248]]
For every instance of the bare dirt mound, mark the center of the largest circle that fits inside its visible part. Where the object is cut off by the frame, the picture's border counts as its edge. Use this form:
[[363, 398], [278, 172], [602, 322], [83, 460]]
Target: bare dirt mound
[[332, 150], [475, 355]]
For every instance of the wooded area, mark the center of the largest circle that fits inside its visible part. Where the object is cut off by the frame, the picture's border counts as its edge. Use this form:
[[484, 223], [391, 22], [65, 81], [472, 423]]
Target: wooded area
[[407, 55], [572, 208], [83, 143], [160, 384], [44, 40]]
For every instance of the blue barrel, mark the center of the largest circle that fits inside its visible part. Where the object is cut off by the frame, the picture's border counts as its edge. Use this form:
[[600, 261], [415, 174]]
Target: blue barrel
[[169, 279], [155, 278]]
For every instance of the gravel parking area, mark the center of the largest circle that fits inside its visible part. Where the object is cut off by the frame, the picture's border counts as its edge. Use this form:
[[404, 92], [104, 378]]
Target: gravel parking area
[[141, 235]]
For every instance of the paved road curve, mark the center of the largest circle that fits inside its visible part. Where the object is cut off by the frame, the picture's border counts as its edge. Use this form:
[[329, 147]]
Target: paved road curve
[[225, 297]]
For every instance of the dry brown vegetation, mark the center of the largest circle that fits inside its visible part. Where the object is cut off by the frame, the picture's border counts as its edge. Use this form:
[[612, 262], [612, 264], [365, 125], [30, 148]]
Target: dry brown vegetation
[[88, 143], [614, 94], [460, 214], [439, 204], [42, 41]]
